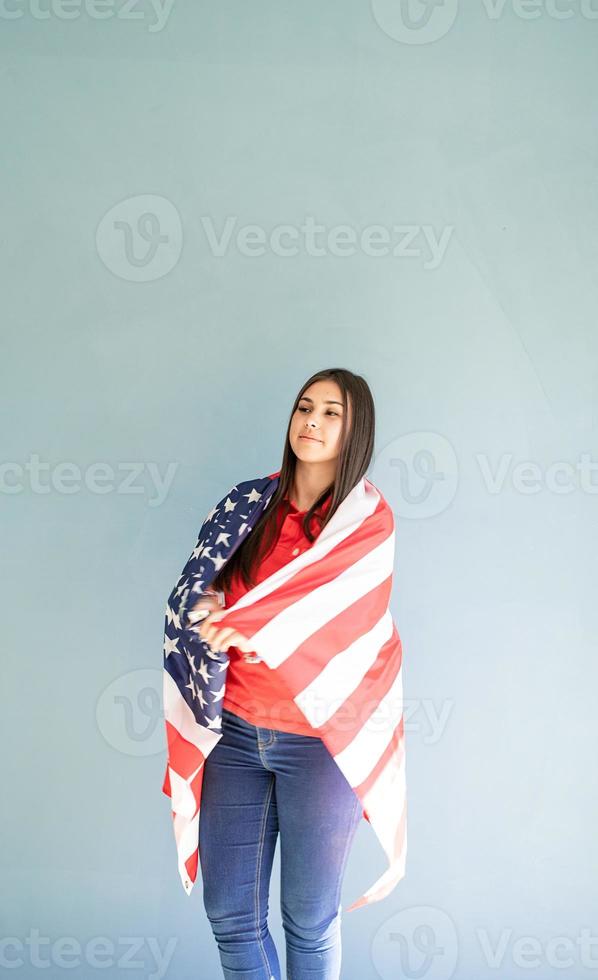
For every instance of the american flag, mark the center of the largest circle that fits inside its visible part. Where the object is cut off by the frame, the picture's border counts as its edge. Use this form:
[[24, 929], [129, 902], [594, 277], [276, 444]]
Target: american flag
[[323, 622]]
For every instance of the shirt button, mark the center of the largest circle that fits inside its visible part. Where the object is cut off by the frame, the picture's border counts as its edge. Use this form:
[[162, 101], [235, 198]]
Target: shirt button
[[295, 551]]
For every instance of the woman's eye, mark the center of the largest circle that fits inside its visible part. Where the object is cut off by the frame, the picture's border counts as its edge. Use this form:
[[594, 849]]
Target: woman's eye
[[303, 409]]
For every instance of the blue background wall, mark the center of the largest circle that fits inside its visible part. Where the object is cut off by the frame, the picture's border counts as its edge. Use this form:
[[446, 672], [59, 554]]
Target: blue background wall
[[449, 155]]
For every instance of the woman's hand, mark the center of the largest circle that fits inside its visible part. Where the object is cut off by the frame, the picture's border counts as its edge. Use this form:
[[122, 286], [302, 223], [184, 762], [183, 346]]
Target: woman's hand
[[207, 604], [219, 639]]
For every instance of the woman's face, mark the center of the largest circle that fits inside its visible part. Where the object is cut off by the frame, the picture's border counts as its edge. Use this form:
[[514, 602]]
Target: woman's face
[[319, 414]]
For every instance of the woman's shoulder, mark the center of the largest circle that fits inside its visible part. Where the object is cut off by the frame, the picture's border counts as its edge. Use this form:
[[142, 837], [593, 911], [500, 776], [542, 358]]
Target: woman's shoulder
[[253, 487], [380, 505], [259, 482]]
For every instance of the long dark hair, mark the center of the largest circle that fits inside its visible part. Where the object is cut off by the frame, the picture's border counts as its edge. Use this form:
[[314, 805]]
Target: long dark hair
[[357, 447]]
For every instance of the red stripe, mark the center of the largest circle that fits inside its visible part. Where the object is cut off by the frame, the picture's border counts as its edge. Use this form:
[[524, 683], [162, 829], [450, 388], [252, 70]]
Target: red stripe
[[396, 746], [354, 713], [309, 659], [371, 533], [183, 757], [196, 786], [191, 865]]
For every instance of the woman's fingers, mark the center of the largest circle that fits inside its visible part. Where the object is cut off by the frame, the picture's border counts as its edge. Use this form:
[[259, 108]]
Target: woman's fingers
[[236, 640], [207, 629], [220, 638], [243, 643], [202, 608], [209, 632]]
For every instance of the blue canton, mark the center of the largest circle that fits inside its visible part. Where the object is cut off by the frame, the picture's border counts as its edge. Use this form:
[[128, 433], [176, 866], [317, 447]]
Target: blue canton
[[198, 672]]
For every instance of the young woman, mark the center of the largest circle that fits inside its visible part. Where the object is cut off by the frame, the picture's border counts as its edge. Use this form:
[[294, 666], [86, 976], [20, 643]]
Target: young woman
[[268, 776]]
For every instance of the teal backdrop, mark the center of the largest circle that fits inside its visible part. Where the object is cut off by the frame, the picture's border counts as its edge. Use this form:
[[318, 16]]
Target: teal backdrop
[[203, 204]]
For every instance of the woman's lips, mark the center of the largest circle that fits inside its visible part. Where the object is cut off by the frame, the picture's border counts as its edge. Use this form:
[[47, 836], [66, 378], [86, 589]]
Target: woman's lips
[[310, 438]]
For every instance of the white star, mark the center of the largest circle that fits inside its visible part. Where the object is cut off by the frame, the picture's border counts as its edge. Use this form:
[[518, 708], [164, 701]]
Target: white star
[[223, 666], [203, 670], [173, 617], [205, 551], [228, 505], [181, 588], [196, 551], [213, 511], [170, 646], [214, 723], [254, 495], [242, 528], [219, 561], [222, 539], [218, 695], [201, 699]]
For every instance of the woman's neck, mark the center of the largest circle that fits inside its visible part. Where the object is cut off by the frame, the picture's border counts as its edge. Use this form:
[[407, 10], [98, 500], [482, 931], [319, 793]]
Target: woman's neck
[[307, 486]]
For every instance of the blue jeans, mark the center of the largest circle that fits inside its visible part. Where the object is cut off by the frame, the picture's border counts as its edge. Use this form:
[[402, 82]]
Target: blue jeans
[[258, 782]]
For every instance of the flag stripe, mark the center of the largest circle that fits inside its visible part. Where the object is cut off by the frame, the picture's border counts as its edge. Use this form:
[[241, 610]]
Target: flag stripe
[[396, 749], [188, 757], [309, 614], [343, 674], [186, 835], [358, 758], [359, 707], [350, 627], [178, 714]]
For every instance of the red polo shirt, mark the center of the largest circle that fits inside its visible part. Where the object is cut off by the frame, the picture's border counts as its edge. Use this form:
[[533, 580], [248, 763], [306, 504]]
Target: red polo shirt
[[252, 689]]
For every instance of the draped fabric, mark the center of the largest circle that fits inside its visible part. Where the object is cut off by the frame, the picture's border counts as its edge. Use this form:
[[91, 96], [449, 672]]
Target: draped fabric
[[323, 623]]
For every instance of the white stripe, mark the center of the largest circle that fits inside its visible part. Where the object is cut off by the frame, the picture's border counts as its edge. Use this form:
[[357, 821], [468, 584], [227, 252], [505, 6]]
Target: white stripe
[[385, 802], [357, 506], [186, 835], [343, 674], [180, 716], [281, 636], [183, 802], [359, 757]]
